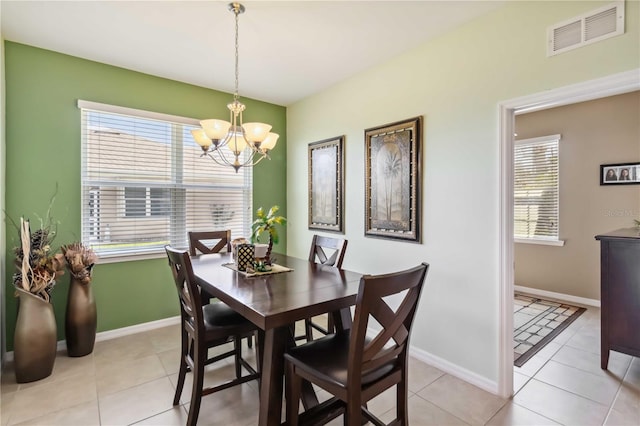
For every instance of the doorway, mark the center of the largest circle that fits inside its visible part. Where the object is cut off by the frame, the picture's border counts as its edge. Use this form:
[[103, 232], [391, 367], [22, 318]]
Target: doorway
[[594, 89]]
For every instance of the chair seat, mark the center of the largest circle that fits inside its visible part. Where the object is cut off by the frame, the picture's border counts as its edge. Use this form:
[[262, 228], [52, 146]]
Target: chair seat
[[328, 358], [220, 314]]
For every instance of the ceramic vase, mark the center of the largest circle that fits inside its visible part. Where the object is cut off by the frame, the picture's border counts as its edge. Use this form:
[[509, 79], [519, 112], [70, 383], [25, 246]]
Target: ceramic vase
[[80, 319], [35, 339]]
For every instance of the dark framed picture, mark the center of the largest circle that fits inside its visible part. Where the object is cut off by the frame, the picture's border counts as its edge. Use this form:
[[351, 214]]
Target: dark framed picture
[[393, 180], [326, 186], [620, 174]]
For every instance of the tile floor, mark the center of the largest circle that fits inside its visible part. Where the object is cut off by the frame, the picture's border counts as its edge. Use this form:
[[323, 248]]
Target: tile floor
[[130, 380]]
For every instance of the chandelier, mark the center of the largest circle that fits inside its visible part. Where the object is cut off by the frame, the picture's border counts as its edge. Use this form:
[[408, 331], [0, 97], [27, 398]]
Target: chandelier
[[234, 143]]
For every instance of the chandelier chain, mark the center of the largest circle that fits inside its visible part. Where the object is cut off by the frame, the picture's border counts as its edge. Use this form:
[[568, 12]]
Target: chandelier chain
[[235, 95]]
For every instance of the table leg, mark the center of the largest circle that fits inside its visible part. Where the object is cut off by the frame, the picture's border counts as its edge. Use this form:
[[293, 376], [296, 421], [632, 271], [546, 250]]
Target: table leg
[[272, 373], [342, 319]]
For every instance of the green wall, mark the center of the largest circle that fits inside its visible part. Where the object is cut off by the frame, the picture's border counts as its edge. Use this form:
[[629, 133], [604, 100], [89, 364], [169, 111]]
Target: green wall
[[43, 150]]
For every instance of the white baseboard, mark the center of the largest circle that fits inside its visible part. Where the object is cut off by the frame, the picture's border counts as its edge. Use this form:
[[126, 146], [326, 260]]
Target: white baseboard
[[559, 296], [118, 332], [455, 370]]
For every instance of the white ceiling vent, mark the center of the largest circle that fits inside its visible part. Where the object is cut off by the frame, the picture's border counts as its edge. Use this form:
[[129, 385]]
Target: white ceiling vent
[[599, 24]]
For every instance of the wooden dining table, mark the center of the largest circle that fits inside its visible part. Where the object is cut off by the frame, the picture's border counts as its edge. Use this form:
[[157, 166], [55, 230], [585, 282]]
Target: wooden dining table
[[273, 303]]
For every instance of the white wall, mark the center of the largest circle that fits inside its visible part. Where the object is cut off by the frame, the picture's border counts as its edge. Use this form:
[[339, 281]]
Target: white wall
[[455, 82]]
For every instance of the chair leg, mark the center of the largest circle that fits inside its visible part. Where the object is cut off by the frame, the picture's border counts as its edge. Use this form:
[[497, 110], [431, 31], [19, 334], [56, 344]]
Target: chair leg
[[331, 328], [250, 341], [237, 349], [198, 379], [353, 414], [183, 368], [292, 394], [308, 329], [402, 407]]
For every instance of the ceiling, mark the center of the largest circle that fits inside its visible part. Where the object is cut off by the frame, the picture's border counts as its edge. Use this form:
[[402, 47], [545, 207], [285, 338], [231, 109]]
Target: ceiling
[[288, 49]]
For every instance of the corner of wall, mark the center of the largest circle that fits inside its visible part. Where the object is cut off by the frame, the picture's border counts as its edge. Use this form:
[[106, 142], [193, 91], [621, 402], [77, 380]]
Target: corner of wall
[[2, 186]]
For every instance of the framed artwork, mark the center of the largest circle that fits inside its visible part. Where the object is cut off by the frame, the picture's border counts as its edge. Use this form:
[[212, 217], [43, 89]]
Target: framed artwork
[[620, 174], [393, 179], [326, 186]]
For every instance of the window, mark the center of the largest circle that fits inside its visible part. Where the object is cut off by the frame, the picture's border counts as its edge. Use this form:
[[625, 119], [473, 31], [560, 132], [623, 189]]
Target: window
[[145, 185], [536, 184], [141, 202]]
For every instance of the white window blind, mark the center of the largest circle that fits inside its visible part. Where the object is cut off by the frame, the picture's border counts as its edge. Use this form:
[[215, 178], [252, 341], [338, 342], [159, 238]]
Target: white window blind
[[536, 188], [144, 184]]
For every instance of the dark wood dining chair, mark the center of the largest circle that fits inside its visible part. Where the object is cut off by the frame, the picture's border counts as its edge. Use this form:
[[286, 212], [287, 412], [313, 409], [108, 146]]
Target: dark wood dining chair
[[208, 242], [326, 251], [204, 327], [355, 368]]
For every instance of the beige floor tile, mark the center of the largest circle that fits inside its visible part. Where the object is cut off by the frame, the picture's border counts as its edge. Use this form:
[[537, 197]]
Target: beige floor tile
[[383, 402], [519, 380], [599, 388], [421, 374], [463, 400], [513, 414], [170, 360], [79, 415], [137, 403], [628, 400], [559, 405], [616, 418], [128, 347], [589, 361], [176, 416], [532, 366], [424, 413], [587, 339], [47, 398], [633, 374], [6, 403], [122, 374], [234, 406], [165, 338]]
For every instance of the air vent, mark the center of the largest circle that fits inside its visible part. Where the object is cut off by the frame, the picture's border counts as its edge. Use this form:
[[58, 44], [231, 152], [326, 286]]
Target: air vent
[[599, 24]]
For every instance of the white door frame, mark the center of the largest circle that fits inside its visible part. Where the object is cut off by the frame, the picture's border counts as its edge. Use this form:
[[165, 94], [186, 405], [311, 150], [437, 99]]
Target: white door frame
[[614, 84]]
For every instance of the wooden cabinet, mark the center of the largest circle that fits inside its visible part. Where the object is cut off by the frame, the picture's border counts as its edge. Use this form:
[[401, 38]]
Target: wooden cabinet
[[620, 292]]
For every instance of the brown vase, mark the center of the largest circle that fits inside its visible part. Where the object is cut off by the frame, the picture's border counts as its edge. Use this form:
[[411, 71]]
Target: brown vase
[[80, 319], [34, 342]]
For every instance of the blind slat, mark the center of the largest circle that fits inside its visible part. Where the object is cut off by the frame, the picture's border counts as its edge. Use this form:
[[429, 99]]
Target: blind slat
[[536, 188]]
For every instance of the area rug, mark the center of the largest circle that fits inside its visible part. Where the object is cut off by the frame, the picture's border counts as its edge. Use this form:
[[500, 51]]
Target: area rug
[[536, 322]]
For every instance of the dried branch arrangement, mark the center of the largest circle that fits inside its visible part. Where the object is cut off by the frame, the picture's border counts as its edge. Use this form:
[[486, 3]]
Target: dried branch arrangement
[[80, 260], [37, 268]]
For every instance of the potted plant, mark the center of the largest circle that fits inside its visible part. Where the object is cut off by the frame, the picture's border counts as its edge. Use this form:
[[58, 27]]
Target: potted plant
[[37, 268], [81, 314], [267, 223]]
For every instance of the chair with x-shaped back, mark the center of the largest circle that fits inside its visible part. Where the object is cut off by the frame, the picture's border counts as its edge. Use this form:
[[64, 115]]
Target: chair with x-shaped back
[[204, 327], [208, 242], [353, 367], [326, 251]]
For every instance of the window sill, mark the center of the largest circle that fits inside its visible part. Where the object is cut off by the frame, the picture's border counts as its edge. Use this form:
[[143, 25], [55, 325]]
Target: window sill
[[538, 241], [104, 259]]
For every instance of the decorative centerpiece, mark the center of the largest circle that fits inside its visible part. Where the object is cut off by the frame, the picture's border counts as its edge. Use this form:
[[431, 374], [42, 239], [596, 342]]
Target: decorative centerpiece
[[267, 223], [81, 315], [35, 339]]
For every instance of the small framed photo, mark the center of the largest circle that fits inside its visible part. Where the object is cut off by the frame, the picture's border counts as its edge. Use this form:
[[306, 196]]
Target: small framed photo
[[620, 174], [393, 180], [326, 186]]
